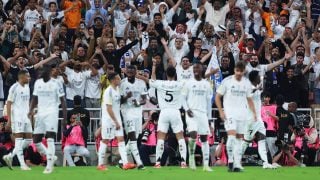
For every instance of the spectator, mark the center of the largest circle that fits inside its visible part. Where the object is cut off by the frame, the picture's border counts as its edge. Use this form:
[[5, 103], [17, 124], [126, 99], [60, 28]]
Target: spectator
[[78, 109], [306, 141], [221, 153], [77, 78], [33, 157], [285, 122], [285, 156], [75, 140]]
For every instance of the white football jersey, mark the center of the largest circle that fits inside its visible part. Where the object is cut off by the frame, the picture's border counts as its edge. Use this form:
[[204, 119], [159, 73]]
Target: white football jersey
[[138, 88], [169, 93], [184, 75], [77, 82], [235, 94], [20, 97], [199, 94], [112, 97], [48, 94]]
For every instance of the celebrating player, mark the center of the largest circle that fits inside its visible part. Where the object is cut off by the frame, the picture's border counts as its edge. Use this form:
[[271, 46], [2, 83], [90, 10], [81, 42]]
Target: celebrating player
[[17, 107], [198, 97], [47, 96], [170, 101], [111, 122], [236, 92], [133, 94], [256, 129]]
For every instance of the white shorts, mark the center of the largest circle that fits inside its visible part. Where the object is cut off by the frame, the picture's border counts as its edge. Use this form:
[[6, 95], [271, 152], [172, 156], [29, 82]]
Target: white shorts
[[199, 123], [170, 118], [21, 125], [46, 122], [254, 127], [237, 125], [132, 120], [108, 129]]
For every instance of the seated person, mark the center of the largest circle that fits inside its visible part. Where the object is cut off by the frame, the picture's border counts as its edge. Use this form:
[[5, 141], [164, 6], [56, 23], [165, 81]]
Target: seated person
[[6, 142], [285, 156], [221, 153], [33, 157], [306, 141], [74, 141]]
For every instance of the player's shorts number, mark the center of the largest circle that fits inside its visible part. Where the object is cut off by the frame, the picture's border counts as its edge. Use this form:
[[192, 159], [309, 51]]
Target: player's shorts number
[[169, 96]]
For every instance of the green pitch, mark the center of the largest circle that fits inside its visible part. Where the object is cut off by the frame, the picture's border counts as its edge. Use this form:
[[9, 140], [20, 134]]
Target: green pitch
[[165, 173]]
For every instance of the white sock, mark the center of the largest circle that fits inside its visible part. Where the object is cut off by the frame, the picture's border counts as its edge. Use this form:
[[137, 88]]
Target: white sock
[[51, 152], [129, 152], [19, 150], [159, 149], [123, 153], [182, 149], [237, 153], [230, 147], [135, 152], [192, 148], [262, 150], [41, 149], [26, 143], [102, 153], [245, 145], [205, 153]]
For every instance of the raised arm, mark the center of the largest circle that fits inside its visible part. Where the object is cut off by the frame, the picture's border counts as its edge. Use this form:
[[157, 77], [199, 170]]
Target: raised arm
[[279, 62], [172, 61], [41, 63], [5, 63]]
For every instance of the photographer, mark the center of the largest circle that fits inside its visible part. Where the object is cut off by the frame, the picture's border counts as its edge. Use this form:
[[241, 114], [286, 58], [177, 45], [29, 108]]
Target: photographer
[[285, 157], [306, 141], [74, 140], [221, 153], [149, 139], [6, 141]]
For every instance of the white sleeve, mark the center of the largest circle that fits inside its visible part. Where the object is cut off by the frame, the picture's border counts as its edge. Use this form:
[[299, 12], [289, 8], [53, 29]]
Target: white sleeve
[[11, 95], [143, 86], [35, 89], [60, 90], [68, 71], [154, 83]]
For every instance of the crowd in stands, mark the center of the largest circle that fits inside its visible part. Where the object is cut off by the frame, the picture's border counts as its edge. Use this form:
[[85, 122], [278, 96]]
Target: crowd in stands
[[85, 40]]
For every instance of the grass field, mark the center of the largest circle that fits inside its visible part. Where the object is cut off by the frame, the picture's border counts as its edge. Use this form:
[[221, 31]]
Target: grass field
[[165, 173]]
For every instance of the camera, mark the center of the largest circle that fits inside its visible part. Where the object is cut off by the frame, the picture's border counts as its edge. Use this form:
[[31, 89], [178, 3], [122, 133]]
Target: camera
[[145, 135]]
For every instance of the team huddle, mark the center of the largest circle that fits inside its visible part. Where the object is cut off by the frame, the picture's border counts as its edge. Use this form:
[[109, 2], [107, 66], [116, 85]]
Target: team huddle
[[125, 97]]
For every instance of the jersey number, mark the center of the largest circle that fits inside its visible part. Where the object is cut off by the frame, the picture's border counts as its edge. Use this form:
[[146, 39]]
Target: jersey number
[[169, 96]]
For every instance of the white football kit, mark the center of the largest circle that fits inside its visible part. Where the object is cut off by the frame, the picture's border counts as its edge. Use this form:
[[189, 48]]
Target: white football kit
[[255, 126], [198, 94], [235, 94], [19, 96], [111, 97], [132, 115], [170, 101], [49, 94]]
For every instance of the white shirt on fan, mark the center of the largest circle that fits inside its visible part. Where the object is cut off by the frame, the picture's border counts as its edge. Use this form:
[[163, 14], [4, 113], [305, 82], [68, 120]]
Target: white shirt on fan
[[31, 17], [169, 93], [92, 88], [235, 94], [77, 82], [184, 75]]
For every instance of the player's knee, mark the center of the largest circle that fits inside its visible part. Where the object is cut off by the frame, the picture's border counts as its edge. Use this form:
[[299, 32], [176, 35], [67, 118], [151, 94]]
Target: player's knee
[[193, 134], [66, 150], [51, 135], [37, 138], [203, 138], [260, 136], [132, 136]]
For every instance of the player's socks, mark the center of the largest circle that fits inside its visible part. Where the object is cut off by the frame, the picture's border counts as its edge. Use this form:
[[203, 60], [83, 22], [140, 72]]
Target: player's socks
[[102, 153], [41, 149], [237, 153], [182, 149], [230, 147], [262, 150], [159, 149], [192, 147], [129, 152], [26, 143], [50, 155], [135, 152], [205, 153], [245, 145], [122, 152], [19, 150]]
